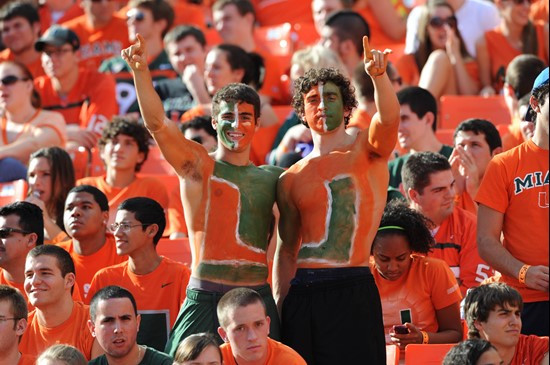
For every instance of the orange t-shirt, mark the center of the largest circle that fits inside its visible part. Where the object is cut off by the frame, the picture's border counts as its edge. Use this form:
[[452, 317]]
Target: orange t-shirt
[[87, 266], [99, 44], [175, 214], [530, 350], [74, 331], [91, 103], [514, 137], [54, 121], [145, 186], [379, 39], [158, 295], [277, 354], [466, 202], [360, 119], [46, 19], [274, 12], [26, 360], [455, 243], [34, 67], [272, 78], [427, 287], [501, 52], [516, 185]]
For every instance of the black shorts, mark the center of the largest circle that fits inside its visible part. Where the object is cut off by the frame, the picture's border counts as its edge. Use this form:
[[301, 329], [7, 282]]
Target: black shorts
[[534, 318], [334, 316]]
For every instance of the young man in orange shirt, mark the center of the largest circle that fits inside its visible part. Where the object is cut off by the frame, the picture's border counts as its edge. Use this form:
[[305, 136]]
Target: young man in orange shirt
[[20, 28], [138, 227], [244, 327], [331, 203], [123, 147], [493, 313], [84, 97], [114, 321], [49, 281], [21, 229], [476, 142], [91, 247], [430, 188], [13, 323], [514, 202]]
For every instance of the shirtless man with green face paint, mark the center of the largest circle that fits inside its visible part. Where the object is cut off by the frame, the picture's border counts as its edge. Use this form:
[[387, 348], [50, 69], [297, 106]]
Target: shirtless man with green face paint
[[227, 200]]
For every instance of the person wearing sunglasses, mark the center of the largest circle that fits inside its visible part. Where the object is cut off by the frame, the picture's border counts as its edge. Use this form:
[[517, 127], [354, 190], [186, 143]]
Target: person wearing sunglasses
[[157, 283], [24, 126], [13, 323], [441, 64], [21, 229], [515, 35]]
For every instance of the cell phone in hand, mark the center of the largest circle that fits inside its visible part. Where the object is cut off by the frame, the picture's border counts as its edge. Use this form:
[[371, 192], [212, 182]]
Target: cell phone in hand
[[400, 329], [405, 315]]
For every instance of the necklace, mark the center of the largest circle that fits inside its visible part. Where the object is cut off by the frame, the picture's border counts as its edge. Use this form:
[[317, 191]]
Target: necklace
[[139, 354]]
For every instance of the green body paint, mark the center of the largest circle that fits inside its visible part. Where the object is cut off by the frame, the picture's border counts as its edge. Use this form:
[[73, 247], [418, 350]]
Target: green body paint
[[334, 106], [341, 224]]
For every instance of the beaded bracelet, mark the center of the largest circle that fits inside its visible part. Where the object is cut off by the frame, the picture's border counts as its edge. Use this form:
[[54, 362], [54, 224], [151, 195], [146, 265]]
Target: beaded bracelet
[[523, 273], [425, 337]]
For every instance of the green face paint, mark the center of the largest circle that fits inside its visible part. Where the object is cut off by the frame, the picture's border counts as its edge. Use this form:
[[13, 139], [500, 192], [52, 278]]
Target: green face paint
[[324, 108], [236, 125]]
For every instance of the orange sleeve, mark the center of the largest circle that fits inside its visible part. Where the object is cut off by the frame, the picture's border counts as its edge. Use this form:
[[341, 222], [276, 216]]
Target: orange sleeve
[[443, 284], [102, 104], [530, 350], [492, 190]]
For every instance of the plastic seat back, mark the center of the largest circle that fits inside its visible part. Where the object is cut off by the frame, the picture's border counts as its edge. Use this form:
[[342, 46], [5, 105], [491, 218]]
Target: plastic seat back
[[13, 191], [428, 354], [457, 108], [177, 250]]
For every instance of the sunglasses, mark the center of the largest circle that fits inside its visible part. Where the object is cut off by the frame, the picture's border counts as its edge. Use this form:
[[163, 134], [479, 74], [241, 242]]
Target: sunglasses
[[521, 2], [438, 22], [7, 231], [135, 15], [11, 79]]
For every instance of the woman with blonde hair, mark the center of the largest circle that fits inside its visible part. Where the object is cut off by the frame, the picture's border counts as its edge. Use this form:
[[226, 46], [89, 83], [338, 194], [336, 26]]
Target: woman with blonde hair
[[61, 355]]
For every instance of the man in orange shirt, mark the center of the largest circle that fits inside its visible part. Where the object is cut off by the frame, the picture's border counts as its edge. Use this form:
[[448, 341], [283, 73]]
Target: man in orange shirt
[[57, 12], [493, 313], [21, 229], [234, 20], [84, 97], [102, 33], [152, 19], [20, 28], [514, 201], [123, 148], [476, 142], [331, 203], [244, 327], [13, 307], [430, 188], [49, 281], [91, 247], [138, 227]]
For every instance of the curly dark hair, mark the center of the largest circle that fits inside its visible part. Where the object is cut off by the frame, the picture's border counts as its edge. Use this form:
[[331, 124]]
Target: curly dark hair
[[236, 93], [314, 76], [467, 352], [415, 226], [137, 131]]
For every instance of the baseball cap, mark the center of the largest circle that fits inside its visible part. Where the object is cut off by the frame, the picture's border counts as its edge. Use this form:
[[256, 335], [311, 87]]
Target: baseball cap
[[541, 79], [57, 36]]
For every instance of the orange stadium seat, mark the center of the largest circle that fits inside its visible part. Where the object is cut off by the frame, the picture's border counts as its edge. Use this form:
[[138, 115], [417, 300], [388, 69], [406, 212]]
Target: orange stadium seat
[[96, 164], [445, 136], [156, 164], [303, 35], [282, 112], [428, 354], [177, 250], [456, 108], [13, 191], [81, 157], [278, 39], [392, 355]]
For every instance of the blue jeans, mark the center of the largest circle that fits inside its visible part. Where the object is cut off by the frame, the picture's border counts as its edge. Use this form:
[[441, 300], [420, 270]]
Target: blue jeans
[[12, 169]]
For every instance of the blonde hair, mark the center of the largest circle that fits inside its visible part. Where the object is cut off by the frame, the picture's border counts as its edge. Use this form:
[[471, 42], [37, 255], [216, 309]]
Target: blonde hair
[[68, 354], [317, 56]]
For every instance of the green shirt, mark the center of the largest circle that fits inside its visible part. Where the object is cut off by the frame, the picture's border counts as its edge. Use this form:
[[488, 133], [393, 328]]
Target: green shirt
[[151, 357]]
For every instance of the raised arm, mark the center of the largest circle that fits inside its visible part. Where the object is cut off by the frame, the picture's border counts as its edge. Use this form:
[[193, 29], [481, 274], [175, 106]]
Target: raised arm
[[383, 131], [184, 155]]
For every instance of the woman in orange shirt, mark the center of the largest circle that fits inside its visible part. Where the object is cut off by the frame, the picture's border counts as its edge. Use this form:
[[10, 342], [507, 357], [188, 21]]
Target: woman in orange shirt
[[441, 63], [420, 296], [515, 35]]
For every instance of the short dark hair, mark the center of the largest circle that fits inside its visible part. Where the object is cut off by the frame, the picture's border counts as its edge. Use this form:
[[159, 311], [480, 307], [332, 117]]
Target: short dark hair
[[415, 226], [363, 83], [235, 298], [191, 348], [349, 25], [481, 300], [243, 6], [236, 93], [17, 301], [312, 78], [481, 126], [160, 9], [30, 218], [467, 352], [99, 196], [138, 132], [251, 63], [148, 212], [23, 9], [522, 72], [65, 262], [540, 93], [110, 292], [420, 101], [417, 171], [183, 31], [202, 122]]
